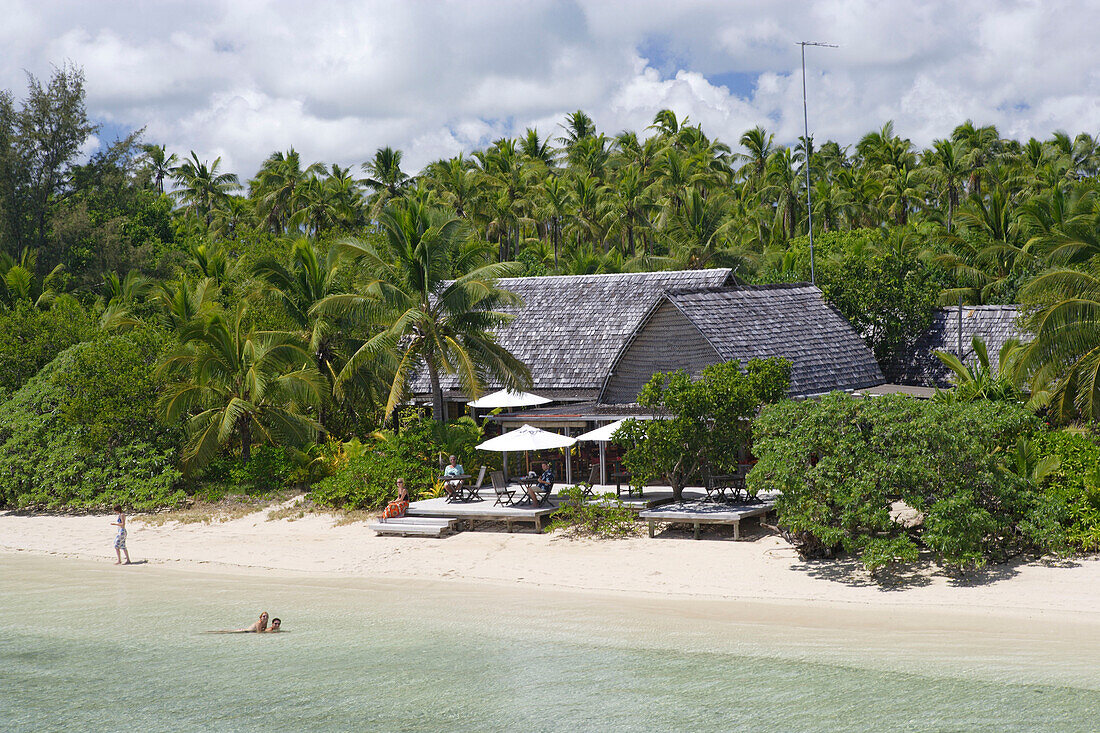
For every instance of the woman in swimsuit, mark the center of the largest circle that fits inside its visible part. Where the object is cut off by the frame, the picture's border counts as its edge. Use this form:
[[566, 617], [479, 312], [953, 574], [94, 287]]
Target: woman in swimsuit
[[259, 627]]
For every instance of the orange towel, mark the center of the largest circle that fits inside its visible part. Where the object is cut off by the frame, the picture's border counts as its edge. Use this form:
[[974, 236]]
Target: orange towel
[[395, 509]]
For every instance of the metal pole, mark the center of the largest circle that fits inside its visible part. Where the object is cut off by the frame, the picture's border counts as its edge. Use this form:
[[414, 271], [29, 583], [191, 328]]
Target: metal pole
[[806, 143]]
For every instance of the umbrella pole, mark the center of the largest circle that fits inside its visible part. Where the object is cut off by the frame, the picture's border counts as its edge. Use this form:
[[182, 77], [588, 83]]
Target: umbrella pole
[[505, 464], [603, 463]]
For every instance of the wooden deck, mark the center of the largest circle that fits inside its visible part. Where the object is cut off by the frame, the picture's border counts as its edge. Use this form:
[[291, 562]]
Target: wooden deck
[[698, 512], [484, 511]]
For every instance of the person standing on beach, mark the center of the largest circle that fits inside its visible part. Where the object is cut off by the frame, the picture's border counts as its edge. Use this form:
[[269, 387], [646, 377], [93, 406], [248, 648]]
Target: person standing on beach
[[120, 538]]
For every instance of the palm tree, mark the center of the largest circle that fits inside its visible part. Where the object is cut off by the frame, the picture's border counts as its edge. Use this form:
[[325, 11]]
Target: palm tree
[[758, 143], [633, 204], [234, 385], [980, 146], [578, 126], [384, 177], [18, 281], [278, 186], [536, 149], [945, 171], [782, 187], [425, 319], [201, 186], [158, 164], [308, 280], [698, 232], [1063, 360]]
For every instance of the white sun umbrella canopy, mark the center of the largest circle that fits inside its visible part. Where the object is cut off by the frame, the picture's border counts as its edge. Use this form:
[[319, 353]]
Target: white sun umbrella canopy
[[508, 398], [525, 439], [603, 433]]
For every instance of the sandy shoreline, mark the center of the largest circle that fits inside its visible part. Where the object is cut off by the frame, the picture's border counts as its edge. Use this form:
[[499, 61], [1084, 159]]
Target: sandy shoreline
[[762, 568]]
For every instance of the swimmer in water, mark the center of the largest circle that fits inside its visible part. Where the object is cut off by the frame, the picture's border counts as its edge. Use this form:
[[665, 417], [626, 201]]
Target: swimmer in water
[[276, 625], [257, 628]]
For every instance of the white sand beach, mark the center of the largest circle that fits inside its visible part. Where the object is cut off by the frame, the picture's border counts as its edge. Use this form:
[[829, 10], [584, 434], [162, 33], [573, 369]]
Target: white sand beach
[[761, 567]]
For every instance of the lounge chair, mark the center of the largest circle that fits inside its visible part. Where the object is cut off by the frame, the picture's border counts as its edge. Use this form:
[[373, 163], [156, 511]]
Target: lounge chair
[[474, 492], [505, 495]]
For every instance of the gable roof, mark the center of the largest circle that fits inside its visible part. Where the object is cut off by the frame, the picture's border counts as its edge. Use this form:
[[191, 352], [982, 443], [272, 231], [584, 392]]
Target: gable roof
[[919, 365], [792, 321], [570, 327]]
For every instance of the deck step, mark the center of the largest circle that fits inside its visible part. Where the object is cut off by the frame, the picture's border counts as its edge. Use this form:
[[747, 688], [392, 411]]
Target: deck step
[[441, 521], [420, 530]]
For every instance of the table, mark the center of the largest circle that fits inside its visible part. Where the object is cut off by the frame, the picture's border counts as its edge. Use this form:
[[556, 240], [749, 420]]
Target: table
[[527, 482], [464, 492], [622, 477]]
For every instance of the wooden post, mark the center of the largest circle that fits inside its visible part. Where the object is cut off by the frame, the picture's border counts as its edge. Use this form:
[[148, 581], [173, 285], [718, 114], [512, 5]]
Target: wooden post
[[568, 462], [696, 530], [652, 526]]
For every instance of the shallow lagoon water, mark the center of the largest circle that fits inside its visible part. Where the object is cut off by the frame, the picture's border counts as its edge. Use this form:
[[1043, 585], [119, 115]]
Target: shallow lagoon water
[[88, 646]]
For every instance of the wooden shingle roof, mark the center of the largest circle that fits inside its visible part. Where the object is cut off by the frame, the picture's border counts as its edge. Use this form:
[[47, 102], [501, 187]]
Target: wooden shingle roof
[[791, 321], [569, 328], [918, 365]]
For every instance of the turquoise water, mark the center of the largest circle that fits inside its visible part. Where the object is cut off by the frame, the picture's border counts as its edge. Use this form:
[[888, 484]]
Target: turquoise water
[[86, 646]]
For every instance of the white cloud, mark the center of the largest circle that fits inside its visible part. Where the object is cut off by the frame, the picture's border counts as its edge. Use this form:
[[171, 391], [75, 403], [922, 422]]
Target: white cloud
[[337, 80]]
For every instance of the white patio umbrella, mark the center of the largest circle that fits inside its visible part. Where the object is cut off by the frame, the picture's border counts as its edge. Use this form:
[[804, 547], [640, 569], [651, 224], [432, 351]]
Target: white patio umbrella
[[603, 433], [508, 398], [527, 438]]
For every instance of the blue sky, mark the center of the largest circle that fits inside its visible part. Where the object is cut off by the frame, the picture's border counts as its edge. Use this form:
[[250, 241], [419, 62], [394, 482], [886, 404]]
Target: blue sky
[[339, 79]]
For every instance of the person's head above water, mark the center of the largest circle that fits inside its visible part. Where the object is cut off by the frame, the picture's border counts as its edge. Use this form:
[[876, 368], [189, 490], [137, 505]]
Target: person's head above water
[[276, 623]]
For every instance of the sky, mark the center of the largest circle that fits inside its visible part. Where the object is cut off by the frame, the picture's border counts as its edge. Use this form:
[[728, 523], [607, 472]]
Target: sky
[[336, 80]]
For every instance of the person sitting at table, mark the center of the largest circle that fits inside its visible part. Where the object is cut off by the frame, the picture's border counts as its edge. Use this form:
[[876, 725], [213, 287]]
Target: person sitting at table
[[545, 482], [454, 468]]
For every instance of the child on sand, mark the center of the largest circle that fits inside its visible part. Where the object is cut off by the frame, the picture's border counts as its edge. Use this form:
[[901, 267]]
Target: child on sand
[[120, 538]]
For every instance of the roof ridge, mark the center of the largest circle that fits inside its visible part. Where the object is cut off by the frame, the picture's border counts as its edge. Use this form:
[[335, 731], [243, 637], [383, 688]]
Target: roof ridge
[[991, 307], [610, 275], [741, 288]]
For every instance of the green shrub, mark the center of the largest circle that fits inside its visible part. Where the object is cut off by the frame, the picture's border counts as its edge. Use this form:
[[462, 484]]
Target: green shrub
[[842, 461], [1074, 489], [269, 469], [30, 338], [604, 516], [47, 455], [369, 480]]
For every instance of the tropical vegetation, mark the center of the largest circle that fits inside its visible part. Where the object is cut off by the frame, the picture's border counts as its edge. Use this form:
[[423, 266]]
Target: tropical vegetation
[[169, 326]]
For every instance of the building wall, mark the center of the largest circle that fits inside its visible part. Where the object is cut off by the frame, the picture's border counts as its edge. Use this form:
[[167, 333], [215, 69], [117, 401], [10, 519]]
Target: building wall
[[666, 342]]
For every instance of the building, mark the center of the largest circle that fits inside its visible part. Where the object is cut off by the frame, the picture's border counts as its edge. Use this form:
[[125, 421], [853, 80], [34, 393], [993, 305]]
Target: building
[[952, 330], [592, 341]]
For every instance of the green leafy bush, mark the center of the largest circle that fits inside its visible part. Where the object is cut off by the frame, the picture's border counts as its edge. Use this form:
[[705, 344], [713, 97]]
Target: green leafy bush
[[269, 468], [368, 481], [605, 516], [1074, 489], [842, 462], [30, 338], [708, 420], [57, 450]]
